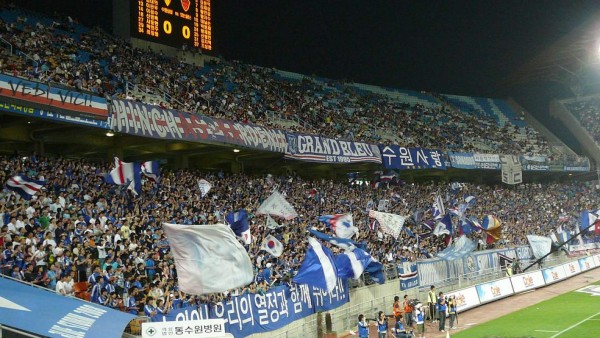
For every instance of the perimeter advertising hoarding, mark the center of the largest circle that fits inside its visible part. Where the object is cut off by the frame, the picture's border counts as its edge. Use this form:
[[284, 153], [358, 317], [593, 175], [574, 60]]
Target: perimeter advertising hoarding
[[597, 259], [572, 268], [41, 96], [465, 298], [145, 120], [494, 290], [586, 263], [554, 274], [527, 281]]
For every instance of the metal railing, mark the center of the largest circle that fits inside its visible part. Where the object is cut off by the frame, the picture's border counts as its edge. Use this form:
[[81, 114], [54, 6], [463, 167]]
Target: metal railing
[[344, 318]]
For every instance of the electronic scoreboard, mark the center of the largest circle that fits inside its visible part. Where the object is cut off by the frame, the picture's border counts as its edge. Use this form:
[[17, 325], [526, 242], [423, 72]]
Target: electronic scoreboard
[[173, 22]]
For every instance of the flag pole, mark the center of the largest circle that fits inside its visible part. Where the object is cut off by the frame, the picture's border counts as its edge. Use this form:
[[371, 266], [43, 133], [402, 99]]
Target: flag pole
[[560, 246]]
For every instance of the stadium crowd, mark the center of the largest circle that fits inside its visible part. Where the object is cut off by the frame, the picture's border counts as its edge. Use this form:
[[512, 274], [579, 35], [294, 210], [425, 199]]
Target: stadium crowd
[[587, 111], [79, 228], [61, 52]]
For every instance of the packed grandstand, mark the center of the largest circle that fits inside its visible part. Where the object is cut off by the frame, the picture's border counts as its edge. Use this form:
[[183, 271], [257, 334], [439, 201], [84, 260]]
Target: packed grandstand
[[82, 236]]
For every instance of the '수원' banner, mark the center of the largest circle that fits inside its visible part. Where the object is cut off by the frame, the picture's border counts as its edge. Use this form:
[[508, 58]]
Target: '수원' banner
[[41, 96], [254, 313], [396, 157], [150, 121], [313, 148]]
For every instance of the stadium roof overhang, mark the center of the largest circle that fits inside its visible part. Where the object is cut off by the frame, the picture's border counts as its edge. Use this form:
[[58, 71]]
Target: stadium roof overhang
[[21, 135], [568, 61]]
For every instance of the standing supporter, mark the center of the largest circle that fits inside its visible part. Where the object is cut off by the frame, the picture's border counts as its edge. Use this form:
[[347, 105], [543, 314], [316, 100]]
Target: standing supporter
[[432, 303], [442, 308], [408, 312]]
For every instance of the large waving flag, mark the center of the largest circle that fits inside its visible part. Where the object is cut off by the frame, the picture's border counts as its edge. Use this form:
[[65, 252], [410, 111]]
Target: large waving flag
[[239, 224], [276, 205], [126, 173], [437, 209], [444, 226], [590, 221], [426, 230], [344, 243], [272, 245], [208, 258], [24, 186], [204, 187], [390, 223], [468, 226], [375, 270], [560, 235], [351, 264], [318, 268], [540, 245], [272, 224], [151, 170], [493, 228], [341, 224], [462, 247]]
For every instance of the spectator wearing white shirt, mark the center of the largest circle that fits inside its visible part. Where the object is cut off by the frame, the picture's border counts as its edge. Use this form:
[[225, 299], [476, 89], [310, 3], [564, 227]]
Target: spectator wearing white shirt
[[61, 285]]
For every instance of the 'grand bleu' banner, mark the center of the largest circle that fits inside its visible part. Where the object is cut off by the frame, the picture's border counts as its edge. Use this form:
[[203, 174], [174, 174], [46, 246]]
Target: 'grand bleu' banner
[[313, 148], [409, 275], [150, 121], [396, 157], [49, 314], [254, 313], [39, 95], [462, 160], [53, 116]]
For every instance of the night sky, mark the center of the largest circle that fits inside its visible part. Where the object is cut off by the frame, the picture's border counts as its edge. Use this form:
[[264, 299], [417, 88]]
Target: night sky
[[457, 47]]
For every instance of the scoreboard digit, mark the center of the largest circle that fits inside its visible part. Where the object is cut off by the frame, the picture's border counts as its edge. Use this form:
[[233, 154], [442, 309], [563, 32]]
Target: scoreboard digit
[[173, 22]]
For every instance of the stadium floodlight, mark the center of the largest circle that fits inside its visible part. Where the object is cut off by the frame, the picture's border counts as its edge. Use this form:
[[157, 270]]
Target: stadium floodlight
[[236, 150]]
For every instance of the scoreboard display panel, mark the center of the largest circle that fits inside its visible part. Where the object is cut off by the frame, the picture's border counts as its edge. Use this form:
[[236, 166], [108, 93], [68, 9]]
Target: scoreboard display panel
[[173, 22]]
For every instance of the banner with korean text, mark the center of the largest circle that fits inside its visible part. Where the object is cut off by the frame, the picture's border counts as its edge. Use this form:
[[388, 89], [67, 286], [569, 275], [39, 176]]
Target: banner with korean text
[[255, 313], [151, 121], [487, 161], [461, 160], [396, 157], [313, 148], [41, 96]]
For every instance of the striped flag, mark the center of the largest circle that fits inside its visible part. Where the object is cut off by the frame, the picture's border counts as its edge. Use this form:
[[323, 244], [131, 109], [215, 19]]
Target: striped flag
[[150, 169], [24, 186], [126, 173]]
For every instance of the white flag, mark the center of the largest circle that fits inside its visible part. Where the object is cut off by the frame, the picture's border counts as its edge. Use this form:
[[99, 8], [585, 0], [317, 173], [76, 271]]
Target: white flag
[[272, 245], [390, 223], [540, 245], [204, 186], [277, 205], [272, 224], [208, 258]]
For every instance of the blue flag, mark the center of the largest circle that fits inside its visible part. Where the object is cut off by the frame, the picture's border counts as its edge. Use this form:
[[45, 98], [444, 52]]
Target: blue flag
[[352, 264], [318, 268], [375, 270], [344, 243], [238, 221]]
